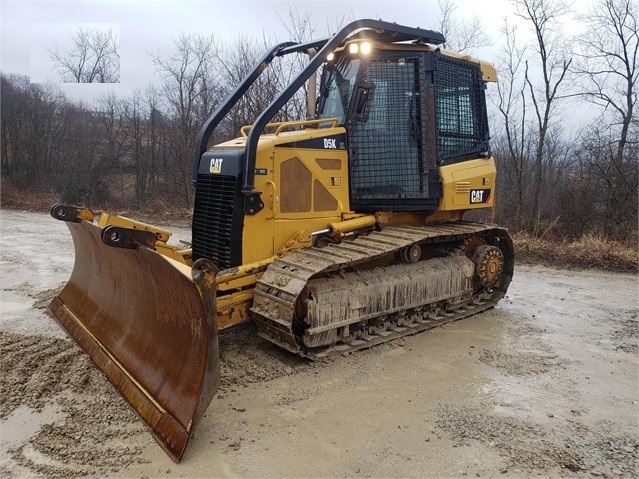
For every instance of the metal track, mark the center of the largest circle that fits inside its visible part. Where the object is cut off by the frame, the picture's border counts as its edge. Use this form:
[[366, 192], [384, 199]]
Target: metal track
[[395, 332], [278, 290]]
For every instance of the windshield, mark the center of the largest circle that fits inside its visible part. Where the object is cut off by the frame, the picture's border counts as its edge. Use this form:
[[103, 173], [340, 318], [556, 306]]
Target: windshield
[[337, 90]]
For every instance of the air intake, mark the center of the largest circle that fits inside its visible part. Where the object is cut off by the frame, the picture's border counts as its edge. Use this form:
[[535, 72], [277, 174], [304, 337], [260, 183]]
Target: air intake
[[217, 220]]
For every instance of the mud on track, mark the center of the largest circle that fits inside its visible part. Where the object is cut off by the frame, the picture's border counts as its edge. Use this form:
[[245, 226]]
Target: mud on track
[[546, 384]]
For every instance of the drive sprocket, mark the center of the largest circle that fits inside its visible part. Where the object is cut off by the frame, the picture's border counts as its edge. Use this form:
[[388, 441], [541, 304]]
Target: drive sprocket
[[489, 265]]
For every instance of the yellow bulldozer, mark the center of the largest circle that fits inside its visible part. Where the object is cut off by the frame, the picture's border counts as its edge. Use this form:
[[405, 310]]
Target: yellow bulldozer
[[333, 234]]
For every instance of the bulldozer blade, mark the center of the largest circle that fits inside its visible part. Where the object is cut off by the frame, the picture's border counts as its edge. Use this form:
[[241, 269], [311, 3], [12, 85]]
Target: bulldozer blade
[[147, 326]]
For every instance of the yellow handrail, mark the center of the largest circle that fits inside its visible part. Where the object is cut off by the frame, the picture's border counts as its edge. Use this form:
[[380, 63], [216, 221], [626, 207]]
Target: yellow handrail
[[288, 124]]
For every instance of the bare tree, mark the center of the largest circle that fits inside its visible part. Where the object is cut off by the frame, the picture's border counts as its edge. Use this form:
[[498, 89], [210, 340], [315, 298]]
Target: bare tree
[[187, 76], [300, 29], [240, 57], [463, 36], [545, 86], [30, 130], [157, 145], [133, 109], [234, 62], [109, 113], [608, 67], [93, 58], [511, 105], [608, 71]]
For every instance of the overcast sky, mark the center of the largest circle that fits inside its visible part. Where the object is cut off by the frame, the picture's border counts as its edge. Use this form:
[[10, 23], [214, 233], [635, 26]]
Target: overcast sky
[[30, 28]]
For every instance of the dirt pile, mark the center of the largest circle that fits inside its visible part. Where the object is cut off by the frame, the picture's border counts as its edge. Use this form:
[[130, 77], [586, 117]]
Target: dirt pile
[[36, 368], [39, 370], [247, 359]]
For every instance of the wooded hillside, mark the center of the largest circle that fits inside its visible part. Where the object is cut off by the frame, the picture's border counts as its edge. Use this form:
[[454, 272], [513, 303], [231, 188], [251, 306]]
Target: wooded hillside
[[563, 117]]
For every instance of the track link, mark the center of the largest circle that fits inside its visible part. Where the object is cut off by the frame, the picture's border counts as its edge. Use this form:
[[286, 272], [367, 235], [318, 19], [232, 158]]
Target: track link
[[421, 323], [276, 302]]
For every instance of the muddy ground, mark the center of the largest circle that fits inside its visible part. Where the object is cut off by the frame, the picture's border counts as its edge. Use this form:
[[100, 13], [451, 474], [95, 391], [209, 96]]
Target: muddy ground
[[544, 385]]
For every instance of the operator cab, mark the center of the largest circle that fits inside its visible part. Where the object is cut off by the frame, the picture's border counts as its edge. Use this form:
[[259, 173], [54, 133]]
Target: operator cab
[[407, 109]]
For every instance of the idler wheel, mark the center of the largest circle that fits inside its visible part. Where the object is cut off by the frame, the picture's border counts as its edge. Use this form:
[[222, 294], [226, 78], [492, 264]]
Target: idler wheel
[[489, 265]]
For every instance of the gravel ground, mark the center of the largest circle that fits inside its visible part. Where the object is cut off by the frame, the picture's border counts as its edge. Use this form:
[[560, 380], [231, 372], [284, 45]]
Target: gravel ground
[[546, 384]]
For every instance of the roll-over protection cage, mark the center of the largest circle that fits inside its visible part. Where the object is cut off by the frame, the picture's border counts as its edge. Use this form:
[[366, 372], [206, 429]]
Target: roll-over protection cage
[[372, 29]]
